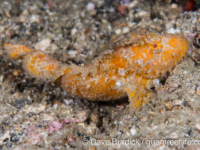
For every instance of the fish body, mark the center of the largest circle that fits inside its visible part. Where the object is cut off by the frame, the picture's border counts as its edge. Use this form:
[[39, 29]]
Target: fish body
[[126, 70]]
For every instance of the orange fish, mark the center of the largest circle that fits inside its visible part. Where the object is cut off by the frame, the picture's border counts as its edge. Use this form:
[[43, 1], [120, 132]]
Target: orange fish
[[126, 70]]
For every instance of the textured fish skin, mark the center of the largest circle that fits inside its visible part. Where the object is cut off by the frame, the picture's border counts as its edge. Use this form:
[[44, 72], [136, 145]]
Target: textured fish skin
[[125, 70]]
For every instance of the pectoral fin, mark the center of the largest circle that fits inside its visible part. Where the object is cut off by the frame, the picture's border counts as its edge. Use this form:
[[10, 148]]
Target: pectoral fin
[[137, 96]]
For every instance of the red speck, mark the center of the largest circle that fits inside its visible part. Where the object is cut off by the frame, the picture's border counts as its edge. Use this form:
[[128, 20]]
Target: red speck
[[49, 3], [189, 5], [121, 9], [154, 45]]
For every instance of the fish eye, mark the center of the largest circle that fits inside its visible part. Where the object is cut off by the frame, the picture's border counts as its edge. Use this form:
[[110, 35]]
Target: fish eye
[[155, 45]]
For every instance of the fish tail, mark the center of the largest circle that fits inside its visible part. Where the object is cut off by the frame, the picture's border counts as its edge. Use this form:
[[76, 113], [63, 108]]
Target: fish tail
[[37, 63]]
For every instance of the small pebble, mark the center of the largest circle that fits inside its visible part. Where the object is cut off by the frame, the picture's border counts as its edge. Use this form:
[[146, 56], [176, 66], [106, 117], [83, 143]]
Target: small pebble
[[90, 6], [14, 137], [55, 106], [35, 18], [16, 72], [118, 31], [131, 24], [82, 116], [133, 131], [54, 47], [197, 126], [1, 79], [37, 108], [57, 103], [74, 31], [68, 101], [4, 136], [72, 53], [168, 105], [2, 29], [174, 6], [194, 20], [185, 103], [174, 136], [142, 14], [94, 118], [43, 44], [24, 15], [132, 4], [178, 102], [47, 117], [121, 9], [92, 12], [173, 31], [125, 30]]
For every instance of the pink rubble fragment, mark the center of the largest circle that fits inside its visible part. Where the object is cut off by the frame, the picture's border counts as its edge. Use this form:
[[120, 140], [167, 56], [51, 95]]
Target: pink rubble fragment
[[34, 134], [55, 126], [66, 120]]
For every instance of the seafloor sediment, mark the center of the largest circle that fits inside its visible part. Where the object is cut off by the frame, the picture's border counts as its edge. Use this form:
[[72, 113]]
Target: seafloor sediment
[[36, 114]]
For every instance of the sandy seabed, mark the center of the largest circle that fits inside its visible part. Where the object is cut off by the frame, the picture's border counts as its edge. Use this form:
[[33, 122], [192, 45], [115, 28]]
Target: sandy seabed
[[37, 114]]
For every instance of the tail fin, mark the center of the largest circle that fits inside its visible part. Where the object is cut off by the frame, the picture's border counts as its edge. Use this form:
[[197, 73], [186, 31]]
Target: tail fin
[[37, 63]]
